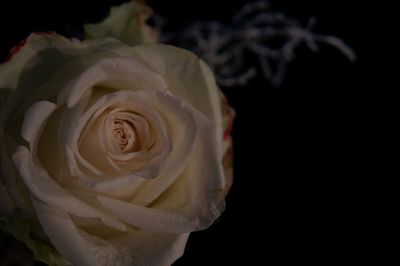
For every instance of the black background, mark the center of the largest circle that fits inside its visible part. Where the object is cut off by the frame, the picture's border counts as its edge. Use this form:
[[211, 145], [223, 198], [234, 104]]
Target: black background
[[296, 195]]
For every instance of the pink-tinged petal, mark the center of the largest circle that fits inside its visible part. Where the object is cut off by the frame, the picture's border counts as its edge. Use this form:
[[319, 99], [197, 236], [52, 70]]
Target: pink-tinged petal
[[228, 115], [85, 148]]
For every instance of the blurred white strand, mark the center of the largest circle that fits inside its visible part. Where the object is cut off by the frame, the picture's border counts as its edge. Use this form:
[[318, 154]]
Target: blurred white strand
[[256, 34], [248, 9]]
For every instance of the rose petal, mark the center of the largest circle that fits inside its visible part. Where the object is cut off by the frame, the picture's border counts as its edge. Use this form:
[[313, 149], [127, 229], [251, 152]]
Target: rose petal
[[199, 191], [45, 64], [35, 44], [135, 247], [42, 186], [145, 248], [183, 130], [122, 73], [79, 247], [148, 218]]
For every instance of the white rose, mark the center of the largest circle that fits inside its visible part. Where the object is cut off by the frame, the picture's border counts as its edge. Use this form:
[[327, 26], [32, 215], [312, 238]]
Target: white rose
[[115, 150]]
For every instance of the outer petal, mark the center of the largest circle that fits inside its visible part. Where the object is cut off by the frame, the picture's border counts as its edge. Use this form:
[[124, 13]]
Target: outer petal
[[136, 247], [77, 246], [46, 189], [42, 66], [183, 129], [126, 23], [41, 57], [124, 74], [199, 190], [144, 248]]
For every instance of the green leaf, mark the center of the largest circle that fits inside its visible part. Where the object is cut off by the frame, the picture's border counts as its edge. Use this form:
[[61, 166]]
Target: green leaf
[[30, 233], [127, 23]]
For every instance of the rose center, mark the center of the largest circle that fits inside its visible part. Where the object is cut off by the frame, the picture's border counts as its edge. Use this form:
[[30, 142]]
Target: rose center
[[124, 135], [127, 132]]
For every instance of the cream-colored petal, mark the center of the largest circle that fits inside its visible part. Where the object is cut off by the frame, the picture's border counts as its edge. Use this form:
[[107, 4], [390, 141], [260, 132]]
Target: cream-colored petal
[[145, 248], [135, 247], [149, 218], [199, 190], [43, 65], [72, 124], [206, 179], [42, 186], [79, 247], [120, 72], [34, 45], [183, 130]]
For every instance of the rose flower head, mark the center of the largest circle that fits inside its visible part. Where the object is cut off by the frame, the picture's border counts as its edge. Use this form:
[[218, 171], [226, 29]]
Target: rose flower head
[[110, 154]]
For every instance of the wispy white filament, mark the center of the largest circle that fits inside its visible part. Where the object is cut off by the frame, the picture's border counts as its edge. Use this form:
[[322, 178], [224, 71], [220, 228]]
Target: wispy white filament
[[253, 32]]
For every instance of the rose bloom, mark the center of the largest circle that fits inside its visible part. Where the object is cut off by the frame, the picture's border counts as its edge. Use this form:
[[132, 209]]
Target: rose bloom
[[110, 154]]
